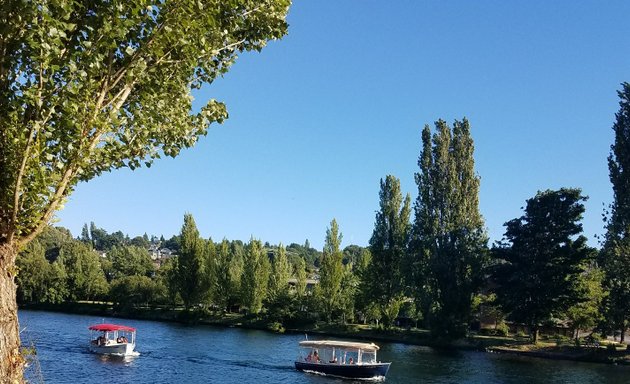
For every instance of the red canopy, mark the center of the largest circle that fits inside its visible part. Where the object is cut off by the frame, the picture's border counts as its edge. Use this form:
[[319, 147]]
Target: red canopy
[[111, 327]]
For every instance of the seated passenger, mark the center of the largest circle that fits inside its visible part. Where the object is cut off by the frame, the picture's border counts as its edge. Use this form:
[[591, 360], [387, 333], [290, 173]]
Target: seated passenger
[[351, 361]]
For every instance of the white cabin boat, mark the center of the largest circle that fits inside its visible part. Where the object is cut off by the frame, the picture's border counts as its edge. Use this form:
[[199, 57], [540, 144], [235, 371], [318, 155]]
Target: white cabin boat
[[113, 339], [341, 359]]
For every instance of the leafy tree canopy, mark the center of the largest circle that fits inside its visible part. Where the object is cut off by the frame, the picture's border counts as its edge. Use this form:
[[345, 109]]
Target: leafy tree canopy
[[89, 86], [542, 257]]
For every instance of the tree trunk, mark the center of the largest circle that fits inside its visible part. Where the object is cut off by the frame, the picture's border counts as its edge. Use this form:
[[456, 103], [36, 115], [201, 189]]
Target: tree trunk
[[534, 332], [11, 361], [623, 334]]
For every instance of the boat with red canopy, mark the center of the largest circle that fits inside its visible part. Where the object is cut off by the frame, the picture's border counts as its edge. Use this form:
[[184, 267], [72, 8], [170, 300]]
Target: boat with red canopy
[[112, 339]]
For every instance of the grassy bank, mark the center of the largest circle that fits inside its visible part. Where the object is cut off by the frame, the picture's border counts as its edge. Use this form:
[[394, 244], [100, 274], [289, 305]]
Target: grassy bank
[[495, 344]]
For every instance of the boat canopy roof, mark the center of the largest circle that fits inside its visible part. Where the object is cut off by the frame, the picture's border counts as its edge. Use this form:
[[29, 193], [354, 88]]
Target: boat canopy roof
[[111, 328], [338, 344]]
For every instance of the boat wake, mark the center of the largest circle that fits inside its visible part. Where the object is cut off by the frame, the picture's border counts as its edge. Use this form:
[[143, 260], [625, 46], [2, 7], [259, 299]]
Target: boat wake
[[370, 379]]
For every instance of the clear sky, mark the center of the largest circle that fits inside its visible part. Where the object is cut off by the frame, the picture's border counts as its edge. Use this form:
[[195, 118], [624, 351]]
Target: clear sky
[[318, 118]]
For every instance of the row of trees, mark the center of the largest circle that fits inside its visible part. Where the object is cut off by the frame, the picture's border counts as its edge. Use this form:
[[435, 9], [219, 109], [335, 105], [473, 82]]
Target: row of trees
[[439, 266], [436, 267]]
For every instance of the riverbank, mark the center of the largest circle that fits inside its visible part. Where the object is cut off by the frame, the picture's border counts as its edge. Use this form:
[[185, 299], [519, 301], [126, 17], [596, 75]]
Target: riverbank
[[493, 344]]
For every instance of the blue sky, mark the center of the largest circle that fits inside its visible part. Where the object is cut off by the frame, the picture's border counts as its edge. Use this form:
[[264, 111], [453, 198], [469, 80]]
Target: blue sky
[[318, 118]]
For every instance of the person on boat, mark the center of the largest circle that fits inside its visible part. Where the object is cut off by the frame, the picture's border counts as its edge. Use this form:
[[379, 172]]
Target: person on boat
[[309, 357], [351, 361], [315, 357]]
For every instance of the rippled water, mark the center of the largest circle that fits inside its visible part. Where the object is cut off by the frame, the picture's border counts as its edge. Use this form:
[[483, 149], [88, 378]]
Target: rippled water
[[172, 353]]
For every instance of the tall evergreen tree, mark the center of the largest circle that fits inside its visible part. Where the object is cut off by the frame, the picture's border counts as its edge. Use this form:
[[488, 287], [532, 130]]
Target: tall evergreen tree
[[449, 244], [85, 235], [542, 258], [256, 270], [190, 263], [615, 254], [330, 272], [388, 246]]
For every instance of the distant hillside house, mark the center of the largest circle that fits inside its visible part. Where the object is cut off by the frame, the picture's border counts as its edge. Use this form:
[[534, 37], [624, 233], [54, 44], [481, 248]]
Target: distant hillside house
[[310, 284]]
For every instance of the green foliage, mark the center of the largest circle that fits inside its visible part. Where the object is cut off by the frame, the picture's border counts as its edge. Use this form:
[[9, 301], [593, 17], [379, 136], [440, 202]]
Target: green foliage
[[167, 277], [37, 279], [310, 255], [190, 263], [103, 241], [209, 272], [615, 260], [373, 312], [542, 258], [615, 255], [388, 246], [448, 245], [52, 239], [502, 329], [280, 273], [136, 290], [348, 287], [328, 292], [587, 312], [255, 280], [300, 275], [88, 87], [223, 283], [85, 277], [129, 261]]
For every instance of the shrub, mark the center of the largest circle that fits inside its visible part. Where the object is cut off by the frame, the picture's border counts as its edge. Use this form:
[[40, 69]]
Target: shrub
[[502, 329], [276, 327]]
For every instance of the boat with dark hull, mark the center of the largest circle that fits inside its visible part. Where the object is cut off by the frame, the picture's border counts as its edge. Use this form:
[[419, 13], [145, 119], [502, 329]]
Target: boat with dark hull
[[341, 359]]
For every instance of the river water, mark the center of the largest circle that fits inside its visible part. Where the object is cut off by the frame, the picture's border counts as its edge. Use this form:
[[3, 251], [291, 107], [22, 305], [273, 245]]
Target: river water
[[173, 353]]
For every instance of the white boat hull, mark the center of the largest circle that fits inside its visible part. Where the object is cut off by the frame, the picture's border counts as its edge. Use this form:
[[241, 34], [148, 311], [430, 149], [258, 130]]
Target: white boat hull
[[122, 349]]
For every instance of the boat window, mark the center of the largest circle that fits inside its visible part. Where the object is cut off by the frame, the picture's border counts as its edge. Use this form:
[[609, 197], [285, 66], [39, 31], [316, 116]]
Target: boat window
[[368, 357]]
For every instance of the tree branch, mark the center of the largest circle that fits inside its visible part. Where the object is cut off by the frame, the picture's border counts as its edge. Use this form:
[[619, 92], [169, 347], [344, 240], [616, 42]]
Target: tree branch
[[60, 192]]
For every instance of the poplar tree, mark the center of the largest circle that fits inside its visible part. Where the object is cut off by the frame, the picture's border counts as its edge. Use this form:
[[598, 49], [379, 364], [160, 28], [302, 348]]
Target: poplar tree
[[209, 272], [87, 87], [615, 255], [388, 247], [300, 276], [236, 265], [280, 273], [331, 272], [222, 288], [256, 270], [190, 263], [449, 243]]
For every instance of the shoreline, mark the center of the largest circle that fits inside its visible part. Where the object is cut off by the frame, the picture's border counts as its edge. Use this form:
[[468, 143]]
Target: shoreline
[[487, 344]]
